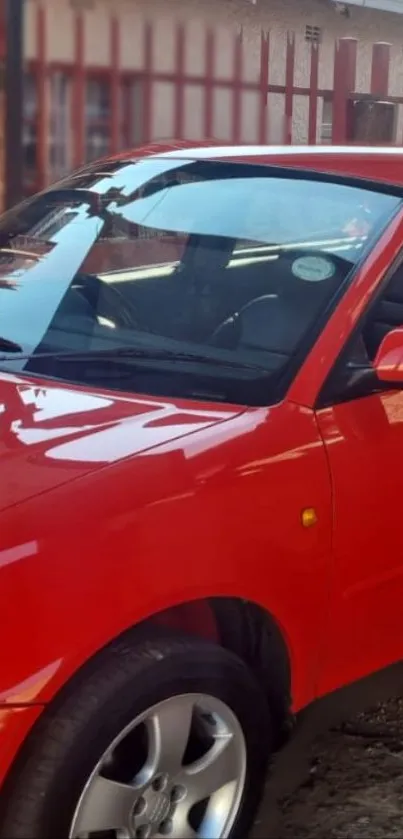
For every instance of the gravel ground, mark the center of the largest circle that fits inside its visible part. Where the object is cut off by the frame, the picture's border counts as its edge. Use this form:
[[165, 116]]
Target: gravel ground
[[354, 787]]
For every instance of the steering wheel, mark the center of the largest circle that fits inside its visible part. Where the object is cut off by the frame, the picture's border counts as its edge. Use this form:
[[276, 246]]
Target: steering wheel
[[305, 280], [117, 307]]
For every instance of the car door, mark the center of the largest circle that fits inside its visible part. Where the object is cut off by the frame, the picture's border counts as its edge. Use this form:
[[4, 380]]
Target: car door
[[361, 423]]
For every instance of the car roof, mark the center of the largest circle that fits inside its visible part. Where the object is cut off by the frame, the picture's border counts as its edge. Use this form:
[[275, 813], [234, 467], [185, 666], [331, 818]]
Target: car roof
[[372, 163]]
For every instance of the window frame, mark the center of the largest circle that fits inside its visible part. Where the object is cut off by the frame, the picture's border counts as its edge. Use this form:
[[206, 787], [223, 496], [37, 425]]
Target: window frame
[[335, 389]]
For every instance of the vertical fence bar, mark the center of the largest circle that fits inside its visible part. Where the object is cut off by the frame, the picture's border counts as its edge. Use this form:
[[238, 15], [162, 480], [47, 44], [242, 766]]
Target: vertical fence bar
[[14, 92], [289, 86], [148, 86], [209, 57], [237, 90], [115, 113], [345, 63], [128, 134], [179, 81], [380, 69], [264, 86], [42, 93], [313, 94], [78, 97]]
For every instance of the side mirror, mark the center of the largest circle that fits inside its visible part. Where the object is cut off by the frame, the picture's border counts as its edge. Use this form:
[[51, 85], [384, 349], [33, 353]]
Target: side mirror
[[388, 363]]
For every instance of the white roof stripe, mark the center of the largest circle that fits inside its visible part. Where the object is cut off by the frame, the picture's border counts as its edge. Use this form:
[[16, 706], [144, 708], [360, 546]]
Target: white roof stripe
[[272, 151]]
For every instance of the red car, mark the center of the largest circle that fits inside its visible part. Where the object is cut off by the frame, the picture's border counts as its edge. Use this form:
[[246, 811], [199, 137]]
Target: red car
[[201, 411]]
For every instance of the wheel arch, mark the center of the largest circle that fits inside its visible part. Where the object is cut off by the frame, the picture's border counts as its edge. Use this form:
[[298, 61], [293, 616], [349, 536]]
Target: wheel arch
[[240, 626]]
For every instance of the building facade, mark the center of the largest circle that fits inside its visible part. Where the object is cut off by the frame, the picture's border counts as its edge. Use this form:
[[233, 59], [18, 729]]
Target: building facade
[[103, 75]]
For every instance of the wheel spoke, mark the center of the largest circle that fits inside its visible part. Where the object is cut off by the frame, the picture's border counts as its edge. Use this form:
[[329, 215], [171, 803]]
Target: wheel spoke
[[181, 828], [107, 805], [170, 730], [214, 770]]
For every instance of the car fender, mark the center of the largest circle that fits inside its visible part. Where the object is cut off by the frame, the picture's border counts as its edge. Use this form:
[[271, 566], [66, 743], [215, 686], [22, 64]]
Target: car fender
[[214, 514]]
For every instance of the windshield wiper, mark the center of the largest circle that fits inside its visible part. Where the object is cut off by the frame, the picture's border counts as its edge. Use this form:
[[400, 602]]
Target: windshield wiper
[[135, 353], [140, 353], [152, 355]]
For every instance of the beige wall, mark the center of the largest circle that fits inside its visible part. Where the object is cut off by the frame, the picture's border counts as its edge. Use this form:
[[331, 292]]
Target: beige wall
[[278, 16]]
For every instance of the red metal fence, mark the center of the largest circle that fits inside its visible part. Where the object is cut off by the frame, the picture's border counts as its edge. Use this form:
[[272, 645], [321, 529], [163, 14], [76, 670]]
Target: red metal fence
[[75, 111]]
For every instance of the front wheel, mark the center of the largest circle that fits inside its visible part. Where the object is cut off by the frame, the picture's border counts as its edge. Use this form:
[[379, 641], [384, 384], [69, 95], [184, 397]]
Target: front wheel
[[168, 738]]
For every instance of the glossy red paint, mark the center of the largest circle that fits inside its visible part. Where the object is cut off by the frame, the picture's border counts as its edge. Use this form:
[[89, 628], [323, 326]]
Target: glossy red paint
[[73, 432], [364, 445], [116, 507], [151, 474], [389, 358]]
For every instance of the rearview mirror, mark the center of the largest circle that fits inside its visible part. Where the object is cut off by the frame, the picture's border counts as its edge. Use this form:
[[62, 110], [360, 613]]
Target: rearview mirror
[[388, 363]]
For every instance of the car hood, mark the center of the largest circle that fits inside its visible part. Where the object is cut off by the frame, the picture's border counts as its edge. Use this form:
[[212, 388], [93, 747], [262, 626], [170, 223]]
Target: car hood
[[52, 433]]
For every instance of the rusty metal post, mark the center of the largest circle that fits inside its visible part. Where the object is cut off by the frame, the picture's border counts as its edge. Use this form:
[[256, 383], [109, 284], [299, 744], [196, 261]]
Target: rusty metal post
[[345, 63], [14, 92]]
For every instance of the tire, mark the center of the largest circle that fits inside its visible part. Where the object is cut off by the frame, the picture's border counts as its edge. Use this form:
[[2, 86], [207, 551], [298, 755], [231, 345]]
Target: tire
[[120, 685]]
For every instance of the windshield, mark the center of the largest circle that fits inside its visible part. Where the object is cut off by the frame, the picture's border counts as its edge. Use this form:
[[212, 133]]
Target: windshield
[[179, 278]]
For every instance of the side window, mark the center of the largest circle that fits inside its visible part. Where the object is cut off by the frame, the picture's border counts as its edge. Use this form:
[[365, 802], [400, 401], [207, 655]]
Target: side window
[[353, 375], [386, 313]]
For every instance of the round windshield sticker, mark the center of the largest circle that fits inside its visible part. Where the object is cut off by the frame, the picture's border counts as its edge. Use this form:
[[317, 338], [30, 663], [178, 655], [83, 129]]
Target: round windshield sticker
[[313, 269]]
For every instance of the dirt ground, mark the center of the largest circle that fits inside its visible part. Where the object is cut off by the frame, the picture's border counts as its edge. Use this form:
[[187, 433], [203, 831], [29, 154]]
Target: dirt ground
[[354, 784]]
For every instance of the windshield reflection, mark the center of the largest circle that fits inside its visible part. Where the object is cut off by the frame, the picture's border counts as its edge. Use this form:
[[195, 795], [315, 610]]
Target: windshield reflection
[[204, 268]]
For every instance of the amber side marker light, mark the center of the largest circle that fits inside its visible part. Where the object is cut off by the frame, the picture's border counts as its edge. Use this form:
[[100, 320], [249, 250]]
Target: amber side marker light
[[309, 517]]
